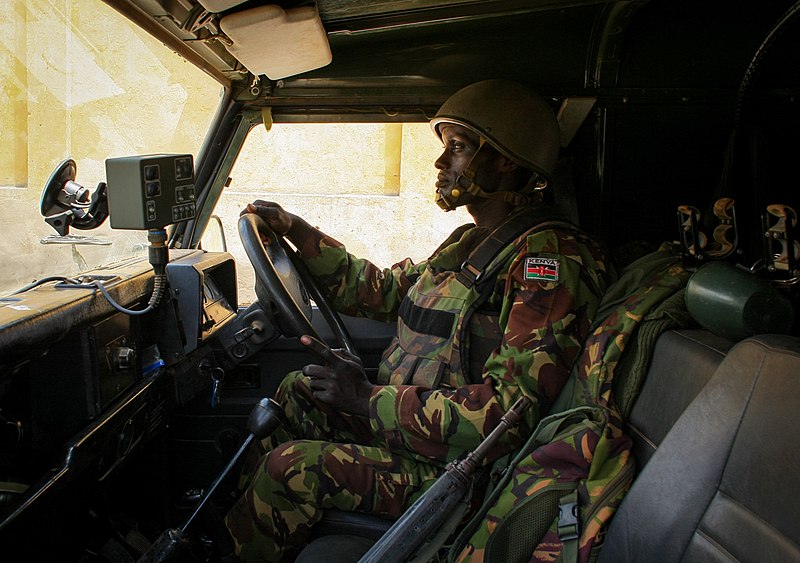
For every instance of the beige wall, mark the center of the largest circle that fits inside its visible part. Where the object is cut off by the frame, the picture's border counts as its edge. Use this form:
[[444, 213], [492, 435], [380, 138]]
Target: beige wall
[[78, 81], [13, 119], [370, 186]]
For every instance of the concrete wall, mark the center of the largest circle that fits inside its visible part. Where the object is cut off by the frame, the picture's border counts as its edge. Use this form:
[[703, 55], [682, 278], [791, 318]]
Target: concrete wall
[[78, 81], [370, 186]]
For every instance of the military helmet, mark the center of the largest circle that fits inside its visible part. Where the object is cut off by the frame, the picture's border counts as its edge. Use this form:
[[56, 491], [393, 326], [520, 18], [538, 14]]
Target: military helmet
[[512, 118]]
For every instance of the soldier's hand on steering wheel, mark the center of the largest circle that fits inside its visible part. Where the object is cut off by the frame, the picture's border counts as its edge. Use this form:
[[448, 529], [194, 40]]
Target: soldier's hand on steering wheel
[[275, 216]]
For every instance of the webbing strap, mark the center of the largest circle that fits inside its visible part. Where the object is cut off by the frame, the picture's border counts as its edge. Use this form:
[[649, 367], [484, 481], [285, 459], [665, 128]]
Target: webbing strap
[[515, 197], [569, 527], [518, 223]]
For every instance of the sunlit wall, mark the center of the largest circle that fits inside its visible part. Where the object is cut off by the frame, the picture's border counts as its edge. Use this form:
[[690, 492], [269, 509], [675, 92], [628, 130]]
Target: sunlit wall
[[78, 81]]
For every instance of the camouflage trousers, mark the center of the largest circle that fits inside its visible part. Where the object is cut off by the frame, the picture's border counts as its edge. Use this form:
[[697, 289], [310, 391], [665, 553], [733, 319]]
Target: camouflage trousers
[[320, 459]]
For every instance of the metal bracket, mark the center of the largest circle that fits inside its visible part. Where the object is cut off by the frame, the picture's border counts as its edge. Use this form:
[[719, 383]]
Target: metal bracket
[[781, 247], [695, 244]]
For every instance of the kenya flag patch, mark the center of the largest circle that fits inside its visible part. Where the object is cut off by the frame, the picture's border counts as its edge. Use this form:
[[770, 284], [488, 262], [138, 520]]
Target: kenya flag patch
[[543, 269]]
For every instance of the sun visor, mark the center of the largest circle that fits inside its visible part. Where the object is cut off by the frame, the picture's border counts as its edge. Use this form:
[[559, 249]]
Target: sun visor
[[276, 42], [219, 5]]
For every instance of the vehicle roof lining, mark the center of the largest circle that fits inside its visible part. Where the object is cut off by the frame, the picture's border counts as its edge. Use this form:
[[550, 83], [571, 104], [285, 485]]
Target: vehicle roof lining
[[386, 48], [402, 38]]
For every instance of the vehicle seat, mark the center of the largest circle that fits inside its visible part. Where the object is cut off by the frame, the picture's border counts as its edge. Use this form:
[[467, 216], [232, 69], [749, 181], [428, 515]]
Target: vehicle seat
[[337, 522], [723, 484], [682, 363]]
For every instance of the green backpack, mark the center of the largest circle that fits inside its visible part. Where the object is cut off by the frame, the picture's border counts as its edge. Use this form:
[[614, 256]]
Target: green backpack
[[556, 498]]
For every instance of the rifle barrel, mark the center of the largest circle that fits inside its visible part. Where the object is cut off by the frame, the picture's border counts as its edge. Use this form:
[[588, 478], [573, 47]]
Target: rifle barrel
[[431, 509]]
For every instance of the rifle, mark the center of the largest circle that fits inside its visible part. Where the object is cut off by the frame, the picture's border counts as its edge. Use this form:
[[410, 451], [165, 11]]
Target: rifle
[[430, 510]]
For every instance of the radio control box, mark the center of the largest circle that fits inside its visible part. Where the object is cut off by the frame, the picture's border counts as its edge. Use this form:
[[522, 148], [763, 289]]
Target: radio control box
[[150, 191]]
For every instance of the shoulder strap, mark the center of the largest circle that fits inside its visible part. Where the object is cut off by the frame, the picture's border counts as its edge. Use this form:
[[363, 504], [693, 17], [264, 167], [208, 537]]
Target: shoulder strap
[[538, 219]]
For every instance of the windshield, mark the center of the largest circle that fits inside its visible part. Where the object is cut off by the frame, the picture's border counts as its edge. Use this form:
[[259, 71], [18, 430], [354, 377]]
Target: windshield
[[79, 81], [369, 185]]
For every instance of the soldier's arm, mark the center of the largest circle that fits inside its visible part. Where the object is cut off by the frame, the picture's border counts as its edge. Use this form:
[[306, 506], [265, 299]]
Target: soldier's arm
[[544, 325], [356, 286]]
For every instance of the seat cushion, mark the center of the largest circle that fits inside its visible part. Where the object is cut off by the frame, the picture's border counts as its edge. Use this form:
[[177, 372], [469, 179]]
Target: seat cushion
[[336, 548], [723, 484], [360, 524]]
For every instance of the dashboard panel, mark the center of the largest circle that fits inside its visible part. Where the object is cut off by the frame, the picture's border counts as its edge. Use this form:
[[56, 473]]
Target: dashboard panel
[[86, 389]]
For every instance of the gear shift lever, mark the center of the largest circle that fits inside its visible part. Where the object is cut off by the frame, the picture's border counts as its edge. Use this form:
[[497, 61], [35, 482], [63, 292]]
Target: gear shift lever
[[264, 420]]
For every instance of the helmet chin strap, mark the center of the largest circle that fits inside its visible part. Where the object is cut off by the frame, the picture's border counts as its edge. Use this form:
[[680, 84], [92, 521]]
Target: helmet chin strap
[[528, 194]]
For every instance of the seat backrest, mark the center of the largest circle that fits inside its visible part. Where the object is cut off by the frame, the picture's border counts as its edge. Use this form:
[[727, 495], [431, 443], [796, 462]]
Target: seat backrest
[[682, 362], [723, 484]]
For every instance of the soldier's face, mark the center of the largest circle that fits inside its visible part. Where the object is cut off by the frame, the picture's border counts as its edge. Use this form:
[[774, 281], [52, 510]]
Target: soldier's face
[[460, 145]]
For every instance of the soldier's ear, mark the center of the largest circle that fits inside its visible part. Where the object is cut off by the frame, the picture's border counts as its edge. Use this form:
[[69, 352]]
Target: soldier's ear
[[505, 164]]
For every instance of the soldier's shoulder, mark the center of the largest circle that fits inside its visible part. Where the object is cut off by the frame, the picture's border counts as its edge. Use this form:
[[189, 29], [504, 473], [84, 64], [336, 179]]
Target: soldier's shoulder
[[559, 237]]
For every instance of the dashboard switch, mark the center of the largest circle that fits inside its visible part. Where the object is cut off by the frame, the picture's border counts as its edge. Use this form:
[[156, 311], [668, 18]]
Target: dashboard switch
[[124, 358]]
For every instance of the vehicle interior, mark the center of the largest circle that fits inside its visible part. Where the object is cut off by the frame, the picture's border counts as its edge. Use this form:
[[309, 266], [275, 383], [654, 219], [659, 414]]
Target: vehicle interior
[[126, 386]]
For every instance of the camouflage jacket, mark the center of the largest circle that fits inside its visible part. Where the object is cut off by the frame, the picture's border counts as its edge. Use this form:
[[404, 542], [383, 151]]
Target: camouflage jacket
[[580, 455], [542, 323]]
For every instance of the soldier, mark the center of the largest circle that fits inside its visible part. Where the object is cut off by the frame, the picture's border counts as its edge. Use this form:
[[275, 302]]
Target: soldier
[[484, 320]]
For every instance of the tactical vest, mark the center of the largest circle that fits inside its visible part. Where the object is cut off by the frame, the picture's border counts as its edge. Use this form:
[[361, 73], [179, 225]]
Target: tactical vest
[[444, 332]]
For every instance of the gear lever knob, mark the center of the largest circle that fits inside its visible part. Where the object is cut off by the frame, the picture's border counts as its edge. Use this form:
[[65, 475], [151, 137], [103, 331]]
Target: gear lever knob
[[265, 418]]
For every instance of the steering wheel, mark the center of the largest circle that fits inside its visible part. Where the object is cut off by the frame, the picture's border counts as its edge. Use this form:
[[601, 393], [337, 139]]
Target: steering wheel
[[285, 282]]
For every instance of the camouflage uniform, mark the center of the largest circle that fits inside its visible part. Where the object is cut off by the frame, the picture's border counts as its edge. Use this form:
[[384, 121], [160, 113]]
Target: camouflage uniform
[[382, 463], [589, 454]]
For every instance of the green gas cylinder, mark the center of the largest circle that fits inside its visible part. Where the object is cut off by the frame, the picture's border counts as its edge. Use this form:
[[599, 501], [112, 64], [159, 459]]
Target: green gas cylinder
[[735, 303]]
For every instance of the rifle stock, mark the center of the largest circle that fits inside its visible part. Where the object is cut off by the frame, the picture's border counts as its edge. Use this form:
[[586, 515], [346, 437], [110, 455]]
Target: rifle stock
[[430, 510]]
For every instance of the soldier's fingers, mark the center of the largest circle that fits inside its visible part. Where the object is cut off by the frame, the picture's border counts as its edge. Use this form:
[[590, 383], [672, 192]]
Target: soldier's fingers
[[346, 355], [319, 384], [254, 207], [259, 204], [316, 372], [268, 211], [321, 350], [323, 396], [321, 389], [262, 209]]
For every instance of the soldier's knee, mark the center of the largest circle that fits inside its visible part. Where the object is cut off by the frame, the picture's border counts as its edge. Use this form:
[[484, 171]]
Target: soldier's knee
[[286, 391], [286, 459]]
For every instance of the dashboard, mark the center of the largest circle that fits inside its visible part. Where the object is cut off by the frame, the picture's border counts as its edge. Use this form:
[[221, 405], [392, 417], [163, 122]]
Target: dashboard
[[84, 388]]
